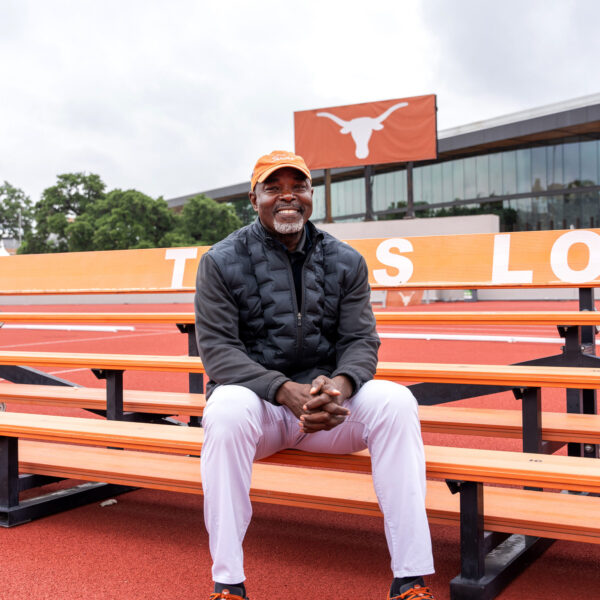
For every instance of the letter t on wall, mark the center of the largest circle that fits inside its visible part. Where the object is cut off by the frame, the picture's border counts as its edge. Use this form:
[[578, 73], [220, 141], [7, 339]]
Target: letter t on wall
[[500, 271], [179, 255]]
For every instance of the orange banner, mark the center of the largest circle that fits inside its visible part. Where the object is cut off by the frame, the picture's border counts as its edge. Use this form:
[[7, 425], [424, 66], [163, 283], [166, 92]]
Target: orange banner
[[116, 271], [388, 131], [508, 260], [527, 259]]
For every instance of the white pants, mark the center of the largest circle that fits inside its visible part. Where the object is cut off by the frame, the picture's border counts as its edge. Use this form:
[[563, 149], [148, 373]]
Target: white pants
[[240, 427]]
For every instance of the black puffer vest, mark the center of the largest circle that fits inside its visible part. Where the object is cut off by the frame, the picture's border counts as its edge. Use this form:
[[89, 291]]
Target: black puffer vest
[[298, 341]]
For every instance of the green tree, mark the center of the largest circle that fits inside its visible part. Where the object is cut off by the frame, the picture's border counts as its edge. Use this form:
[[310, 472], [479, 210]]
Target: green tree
[[421, 210], [59, 206], [204, 222], [244, 211], [15, 212], [508, 216], [123, 219], [76, 215]]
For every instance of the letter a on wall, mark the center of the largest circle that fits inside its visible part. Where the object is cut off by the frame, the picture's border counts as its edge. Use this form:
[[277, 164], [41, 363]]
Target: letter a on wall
[[388, 131]]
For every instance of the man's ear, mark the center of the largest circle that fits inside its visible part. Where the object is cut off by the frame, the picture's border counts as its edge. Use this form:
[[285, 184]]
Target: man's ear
[[252, 197]]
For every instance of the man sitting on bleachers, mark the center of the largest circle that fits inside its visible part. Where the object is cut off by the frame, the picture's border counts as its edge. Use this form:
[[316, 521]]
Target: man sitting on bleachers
[[287, 336]]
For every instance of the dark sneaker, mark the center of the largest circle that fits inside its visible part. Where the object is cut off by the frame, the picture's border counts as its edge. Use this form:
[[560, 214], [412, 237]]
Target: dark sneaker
[[233, 593], [414, 590]]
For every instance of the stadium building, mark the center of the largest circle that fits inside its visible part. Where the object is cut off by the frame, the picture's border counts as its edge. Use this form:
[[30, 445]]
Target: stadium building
[[536, 169]]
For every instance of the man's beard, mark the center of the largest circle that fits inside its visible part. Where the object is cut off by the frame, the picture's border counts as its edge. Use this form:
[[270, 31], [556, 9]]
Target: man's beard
[[287, 227]]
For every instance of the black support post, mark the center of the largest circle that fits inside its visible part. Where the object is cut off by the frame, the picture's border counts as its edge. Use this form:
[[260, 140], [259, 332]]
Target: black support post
[[588, 332], [328, 211], [581, 344], [410, 203], [369, 215], [472, 549], [114, 392], [531, 415], [489, 561], [195, 380], [9, 472], [532, 419], [114, 395]]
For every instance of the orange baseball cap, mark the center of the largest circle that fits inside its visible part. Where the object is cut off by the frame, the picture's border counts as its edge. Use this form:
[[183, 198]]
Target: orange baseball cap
[[278, 159]]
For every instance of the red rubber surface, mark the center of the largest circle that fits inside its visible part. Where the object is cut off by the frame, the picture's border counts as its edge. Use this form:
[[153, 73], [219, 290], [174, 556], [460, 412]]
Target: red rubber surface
[[152, 545]]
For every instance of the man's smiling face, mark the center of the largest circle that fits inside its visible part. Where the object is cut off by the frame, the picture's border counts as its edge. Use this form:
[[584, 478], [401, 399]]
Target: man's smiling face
[[284, 204]]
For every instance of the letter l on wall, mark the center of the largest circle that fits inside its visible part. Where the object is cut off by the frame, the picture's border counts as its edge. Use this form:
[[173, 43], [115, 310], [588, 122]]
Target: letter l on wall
[[500, 270]]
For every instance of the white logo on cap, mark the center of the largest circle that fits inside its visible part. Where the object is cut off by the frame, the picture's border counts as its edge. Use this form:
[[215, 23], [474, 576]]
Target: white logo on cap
[[281, 156]]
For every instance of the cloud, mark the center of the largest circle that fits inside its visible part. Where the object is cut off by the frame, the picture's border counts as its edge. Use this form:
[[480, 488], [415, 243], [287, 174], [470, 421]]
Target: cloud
[[508, 56], [181, 97]]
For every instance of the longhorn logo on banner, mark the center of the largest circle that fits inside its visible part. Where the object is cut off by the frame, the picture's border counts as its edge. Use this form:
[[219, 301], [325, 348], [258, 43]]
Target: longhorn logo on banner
[[372, 133]]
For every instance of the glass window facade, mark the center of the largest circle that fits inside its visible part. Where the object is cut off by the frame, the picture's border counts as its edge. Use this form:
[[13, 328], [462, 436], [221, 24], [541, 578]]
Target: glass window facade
[[389, 191], [318, 203], [564, 211], [589, 163], [554, 160], [347, 198], [554, 182], [566, 168]]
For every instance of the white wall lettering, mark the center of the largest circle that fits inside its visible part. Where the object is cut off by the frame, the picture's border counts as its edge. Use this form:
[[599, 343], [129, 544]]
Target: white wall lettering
[[500, 270], [560, 251], [391, 259], [179, 255], [406, 298]]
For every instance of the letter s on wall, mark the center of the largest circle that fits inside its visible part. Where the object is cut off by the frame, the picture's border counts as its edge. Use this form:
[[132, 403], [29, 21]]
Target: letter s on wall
[[391, 259]]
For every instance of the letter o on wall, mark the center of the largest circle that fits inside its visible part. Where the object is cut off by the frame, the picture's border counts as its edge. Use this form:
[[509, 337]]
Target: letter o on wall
[[560, 251], [391, 259]]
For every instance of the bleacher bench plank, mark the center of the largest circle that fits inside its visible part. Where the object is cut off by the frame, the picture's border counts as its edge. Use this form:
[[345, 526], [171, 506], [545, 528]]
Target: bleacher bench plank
[[487, 466], [562, 516], [170, 439], [556, 427], [168, 403], [567, 317], [505, 375], [114, 362], [90, 318]]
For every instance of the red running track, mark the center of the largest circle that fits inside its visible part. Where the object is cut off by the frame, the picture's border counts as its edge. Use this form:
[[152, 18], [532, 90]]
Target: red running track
[[152, 545]]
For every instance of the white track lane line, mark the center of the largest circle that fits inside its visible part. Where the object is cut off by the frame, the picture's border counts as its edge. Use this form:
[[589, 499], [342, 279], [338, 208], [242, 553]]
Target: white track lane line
[[81, 340], [103, 328], [472, 338]]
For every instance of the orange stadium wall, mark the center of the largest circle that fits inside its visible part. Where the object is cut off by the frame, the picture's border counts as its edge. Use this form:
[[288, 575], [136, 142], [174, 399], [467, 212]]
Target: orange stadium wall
[[488, 261], [412, 228]]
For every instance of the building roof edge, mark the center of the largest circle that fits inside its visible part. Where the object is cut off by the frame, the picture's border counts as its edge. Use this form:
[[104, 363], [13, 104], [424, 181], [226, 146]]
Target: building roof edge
[[530, 113]]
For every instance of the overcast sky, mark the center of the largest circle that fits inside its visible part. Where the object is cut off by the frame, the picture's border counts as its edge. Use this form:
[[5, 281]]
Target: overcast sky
[[181, 96]]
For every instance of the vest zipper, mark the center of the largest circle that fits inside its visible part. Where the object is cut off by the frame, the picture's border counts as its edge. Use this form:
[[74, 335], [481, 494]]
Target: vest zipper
[[299, 337]]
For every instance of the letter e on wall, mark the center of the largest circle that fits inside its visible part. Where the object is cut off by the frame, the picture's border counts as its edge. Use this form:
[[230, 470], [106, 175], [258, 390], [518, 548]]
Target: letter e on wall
[[559, 257], [403, 264]]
